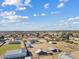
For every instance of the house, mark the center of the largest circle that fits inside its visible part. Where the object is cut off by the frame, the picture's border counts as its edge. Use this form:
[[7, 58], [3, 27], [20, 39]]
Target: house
[[28, 58], [41, 52], [28, 44], [74, 38], [54, 49], [33, 40], [52, 42], [65, 55], [49, 52], [14, 41]]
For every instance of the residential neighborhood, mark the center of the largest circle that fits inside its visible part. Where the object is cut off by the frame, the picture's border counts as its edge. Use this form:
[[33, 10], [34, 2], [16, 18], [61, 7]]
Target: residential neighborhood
[[39, 45]]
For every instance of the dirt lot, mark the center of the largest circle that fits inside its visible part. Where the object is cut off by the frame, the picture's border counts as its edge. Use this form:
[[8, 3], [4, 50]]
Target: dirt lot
[[60, 45]]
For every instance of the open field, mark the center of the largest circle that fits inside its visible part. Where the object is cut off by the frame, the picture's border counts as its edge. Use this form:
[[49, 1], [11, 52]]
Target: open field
[[5, 48], [65, 47]]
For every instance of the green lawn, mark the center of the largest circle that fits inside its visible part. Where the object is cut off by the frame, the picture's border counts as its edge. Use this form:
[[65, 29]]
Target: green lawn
[[5, 48]]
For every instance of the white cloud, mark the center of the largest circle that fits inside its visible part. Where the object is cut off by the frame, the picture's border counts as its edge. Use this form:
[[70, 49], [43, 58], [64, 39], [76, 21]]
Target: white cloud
[[21, 8], [70, 23], [15, 18], [39, 14], [10, 2], [63, 0], [72, 20], [20, 4], [55, 12], [75, 22], [43, 14], [16, 2], [35, 14], [60, 5], [11, 17], [46, 6], [27, 2], [7, 13]]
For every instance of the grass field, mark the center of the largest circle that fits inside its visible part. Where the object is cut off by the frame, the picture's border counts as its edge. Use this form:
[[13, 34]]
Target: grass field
[[5, 48]]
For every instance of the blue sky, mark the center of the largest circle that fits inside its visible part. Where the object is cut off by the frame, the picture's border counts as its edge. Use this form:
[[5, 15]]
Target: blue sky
[[39, 15]]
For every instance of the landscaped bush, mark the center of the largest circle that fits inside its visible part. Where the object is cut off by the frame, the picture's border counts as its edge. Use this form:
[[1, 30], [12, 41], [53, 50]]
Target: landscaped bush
[[71, 42], [15, 43], [75, 43], [58, 39]]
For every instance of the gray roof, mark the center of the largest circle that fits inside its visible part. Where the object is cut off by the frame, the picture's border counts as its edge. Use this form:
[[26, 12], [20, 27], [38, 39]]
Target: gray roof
[[28, 58], [65, 56], [52, 48], [15, 53]]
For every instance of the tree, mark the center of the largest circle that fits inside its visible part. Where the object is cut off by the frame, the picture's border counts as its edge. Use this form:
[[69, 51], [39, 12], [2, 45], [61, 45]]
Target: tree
[[2, 37]]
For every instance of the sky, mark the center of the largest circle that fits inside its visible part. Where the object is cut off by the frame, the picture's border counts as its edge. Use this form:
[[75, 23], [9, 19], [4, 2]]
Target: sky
[[32, 15]]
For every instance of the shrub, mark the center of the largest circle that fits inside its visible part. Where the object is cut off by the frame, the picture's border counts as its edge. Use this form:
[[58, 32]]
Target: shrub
[[71, 42], [75, 43]]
